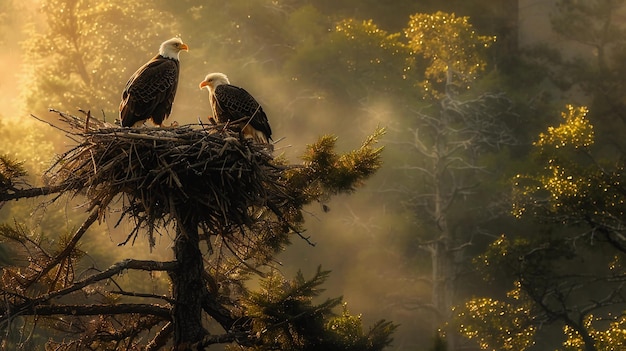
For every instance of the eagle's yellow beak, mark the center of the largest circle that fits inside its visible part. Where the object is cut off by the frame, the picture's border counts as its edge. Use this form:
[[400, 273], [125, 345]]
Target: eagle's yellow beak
[[203, 84], [184, 47]]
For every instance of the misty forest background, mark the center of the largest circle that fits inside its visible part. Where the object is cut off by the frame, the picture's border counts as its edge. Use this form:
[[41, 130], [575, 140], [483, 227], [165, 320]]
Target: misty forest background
[[497, 219]]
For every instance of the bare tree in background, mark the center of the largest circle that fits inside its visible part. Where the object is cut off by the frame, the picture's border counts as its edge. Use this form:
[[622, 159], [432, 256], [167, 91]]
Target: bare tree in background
[[450, 137]]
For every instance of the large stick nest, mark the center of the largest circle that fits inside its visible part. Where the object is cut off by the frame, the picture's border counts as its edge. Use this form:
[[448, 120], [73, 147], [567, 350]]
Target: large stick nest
[[207, 174]]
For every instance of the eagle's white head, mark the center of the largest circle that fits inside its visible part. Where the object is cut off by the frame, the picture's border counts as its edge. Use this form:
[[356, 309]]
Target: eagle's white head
[[171, 48], [212, 80]]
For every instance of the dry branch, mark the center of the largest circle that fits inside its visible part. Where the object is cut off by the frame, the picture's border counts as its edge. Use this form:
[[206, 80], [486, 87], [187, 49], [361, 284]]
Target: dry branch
[[91, 310], [30, 305]]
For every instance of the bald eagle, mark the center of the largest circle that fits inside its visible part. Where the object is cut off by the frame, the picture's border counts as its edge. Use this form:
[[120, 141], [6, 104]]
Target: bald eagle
[[231, 103], [150, 91]]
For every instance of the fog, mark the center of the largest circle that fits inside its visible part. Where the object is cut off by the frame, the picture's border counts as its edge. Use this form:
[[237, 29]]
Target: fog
[[365, 238]]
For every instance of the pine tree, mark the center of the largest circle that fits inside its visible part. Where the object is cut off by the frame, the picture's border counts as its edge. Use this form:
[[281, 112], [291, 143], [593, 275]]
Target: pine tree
[[232, 207]]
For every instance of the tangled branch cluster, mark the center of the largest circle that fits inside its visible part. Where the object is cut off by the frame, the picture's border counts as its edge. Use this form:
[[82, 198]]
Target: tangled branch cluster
[[207, 174]]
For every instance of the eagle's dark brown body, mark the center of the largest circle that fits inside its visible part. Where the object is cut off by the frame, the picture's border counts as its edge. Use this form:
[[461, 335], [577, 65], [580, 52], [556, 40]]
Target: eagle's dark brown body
[[231, 103], [150, 92]]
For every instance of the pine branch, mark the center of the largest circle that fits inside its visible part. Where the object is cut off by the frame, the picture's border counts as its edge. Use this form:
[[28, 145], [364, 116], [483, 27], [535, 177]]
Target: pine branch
[[130, 330], [221, 314], [160, 339], [92, 310], [151, 296], [17, 194], [212, 179], [242, 338], [113, 270], [31, 306]]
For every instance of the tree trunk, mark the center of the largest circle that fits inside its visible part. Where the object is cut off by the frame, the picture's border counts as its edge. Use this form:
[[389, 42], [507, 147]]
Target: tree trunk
[[590, 343], [188, 289], [444, 265], [444, 279]]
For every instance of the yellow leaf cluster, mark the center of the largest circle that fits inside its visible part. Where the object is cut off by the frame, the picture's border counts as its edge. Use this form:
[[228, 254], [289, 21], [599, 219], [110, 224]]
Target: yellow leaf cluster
[[576, 130]]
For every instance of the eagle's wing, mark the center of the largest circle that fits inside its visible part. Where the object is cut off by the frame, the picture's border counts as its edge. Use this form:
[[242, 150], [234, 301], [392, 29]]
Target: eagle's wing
[[234, 103], [150, 92]]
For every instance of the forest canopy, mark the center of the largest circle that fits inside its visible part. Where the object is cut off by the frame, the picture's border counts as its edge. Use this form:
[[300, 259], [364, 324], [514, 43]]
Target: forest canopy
[[492, 220]]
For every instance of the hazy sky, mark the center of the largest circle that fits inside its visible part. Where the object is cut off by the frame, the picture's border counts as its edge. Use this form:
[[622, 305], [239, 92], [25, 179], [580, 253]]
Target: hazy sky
[[10, 55], [357, 240]]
